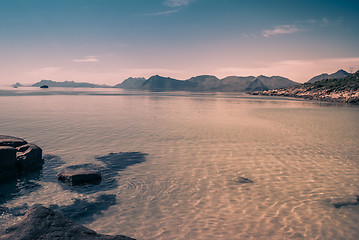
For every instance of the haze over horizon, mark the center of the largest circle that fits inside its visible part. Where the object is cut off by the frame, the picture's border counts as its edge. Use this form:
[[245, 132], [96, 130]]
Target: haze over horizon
[[108, 41]]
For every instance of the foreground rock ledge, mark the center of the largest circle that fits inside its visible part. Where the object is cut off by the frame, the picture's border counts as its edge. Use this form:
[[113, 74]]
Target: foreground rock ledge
[[45, 224]]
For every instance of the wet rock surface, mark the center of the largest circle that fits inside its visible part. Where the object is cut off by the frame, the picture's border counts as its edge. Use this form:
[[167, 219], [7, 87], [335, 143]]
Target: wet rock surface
[[11, 141], [8, 167], [43, 223], [17, 157], [113, 163], [80, 175], [29, 158]]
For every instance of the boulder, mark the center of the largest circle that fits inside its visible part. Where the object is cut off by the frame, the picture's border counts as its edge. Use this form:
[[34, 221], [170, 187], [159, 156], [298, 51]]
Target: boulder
[[43, 223], [8, 168], [11, 141], [80, 175], [29, 158]]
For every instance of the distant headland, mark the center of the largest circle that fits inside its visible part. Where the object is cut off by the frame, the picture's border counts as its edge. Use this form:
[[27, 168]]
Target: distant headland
[[337, 87]]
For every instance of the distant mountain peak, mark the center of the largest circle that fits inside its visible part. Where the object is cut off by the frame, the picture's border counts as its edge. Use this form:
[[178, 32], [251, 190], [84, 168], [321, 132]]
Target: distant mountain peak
[[338, 74], [131, 83], [342, 71]]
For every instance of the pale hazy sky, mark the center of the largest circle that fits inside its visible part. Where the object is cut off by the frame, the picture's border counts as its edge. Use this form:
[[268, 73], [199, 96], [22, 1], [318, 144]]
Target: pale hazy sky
[[106, 41]]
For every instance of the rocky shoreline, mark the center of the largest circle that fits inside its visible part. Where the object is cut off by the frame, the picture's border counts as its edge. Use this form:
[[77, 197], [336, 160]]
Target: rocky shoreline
[[345, 96], [344, 90], [43, 223], [19, 159]]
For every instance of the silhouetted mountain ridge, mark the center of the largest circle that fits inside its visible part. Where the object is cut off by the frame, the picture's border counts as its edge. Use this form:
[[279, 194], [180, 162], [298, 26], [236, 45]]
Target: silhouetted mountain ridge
[[337, 75], [72, 84], [210, 83], [131, 83], [202, 83]]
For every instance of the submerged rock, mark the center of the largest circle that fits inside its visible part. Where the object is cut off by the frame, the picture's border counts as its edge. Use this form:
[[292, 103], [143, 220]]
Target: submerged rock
[[43, 223], [18, 157], [243, 180], [347, 202], [80, 174]]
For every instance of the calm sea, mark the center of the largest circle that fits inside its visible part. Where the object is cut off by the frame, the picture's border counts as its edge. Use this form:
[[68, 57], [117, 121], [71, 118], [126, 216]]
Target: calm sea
[[215, 165]]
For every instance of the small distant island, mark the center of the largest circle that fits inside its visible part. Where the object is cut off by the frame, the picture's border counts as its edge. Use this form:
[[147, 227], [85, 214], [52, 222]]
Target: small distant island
[[338, 87], [16, 85]]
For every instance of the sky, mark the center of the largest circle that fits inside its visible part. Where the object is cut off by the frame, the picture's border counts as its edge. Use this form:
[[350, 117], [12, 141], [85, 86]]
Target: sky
[[107, 41]]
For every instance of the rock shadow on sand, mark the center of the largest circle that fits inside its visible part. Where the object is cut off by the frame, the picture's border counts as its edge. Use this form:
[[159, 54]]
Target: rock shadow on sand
[[84, 211]]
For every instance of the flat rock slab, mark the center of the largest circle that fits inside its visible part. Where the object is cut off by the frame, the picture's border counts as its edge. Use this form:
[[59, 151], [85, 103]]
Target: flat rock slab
[[43, 223], [80, 175]]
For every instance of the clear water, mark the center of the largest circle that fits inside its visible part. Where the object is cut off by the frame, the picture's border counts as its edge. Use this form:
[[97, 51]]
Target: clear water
[[302, 157]]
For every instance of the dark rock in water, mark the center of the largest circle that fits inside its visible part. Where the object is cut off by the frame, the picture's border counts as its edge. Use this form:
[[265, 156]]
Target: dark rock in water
[[8, 168], [43, 223], [29, 158], [114, 162], [11, 141], [44, 86], [80, 174], [243, 180]]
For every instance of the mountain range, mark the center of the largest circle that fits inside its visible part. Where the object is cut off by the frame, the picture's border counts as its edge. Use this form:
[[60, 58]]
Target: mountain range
[[207, 83], [337, 75]]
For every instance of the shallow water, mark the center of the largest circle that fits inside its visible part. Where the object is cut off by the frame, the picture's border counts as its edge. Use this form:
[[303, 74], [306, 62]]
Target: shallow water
[[302, 157]]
